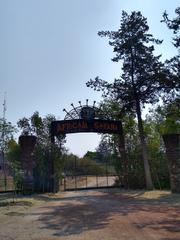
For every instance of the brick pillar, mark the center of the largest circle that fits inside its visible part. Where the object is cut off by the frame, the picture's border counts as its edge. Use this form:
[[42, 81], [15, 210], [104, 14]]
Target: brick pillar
[[27, 144], [172, 144]]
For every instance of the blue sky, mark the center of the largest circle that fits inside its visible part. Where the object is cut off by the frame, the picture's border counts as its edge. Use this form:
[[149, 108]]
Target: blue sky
[[50, 49]]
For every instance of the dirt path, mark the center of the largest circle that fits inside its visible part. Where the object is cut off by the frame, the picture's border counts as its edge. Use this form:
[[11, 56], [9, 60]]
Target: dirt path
[[95, 215]]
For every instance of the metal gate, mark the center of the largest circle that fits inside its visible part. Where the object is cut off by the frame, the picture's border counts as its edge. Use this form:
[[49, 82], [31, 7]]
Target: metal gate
[[88, 174]]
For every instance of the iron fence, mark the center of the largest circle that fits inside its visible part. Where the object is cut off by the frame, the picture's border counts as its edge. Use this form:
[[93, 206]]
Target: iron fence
[[86, 174]]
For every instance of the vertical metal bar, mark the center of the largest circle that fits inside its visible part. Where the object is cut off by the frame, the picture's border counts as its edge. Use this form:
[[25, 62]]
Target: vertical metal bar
[[86, 181], [108, 167], [75, 175], [51, 180], [64, 183], [3, 142], [75, 182], [106, 173]]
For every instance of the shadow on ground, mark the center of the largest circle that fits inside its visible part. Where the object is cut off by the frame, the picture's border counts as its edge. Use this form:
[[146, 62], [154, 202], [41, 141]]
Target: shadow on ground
[[77, 213]]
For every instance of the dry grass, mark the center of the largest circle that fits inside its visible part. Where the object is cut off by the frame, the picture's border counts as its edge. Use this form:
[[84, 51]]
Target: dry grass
[[155, 196]]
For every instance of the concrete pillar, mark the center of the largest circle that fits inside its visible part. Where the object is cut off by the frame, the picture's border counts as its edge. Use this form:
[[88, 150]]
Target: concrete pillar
[[172, 144], [27, 144]]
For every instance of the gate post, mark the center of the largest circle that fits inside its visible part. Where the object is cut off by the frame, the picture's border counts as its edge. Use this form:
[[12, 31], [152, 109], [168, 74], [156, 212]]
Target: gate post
[[27, 144], [172, 144]]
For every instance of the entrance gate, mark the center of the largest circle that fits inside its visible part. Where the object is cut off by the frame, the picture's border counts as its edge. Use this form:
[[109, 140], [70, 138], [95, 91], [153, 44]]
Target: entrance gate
[[88, 174], [93, 174]]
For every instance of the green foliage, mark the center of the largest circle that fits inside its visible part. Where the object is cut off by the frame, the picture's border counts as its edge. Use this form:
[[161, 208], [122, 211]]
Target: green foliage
[[158, 161], [24, 124], [82, 166], [159, 165], [13, 156], [91, 155], [47, 156], [167, 117], [44, 159], [174, 25], [6, 134], [59, 161], [172, 66]]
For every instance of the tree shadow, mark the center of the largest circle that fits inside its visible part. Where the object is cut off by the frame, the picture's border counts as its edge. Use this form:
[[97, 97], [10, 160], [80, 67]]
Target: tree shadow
[[71, 219], [75, 213], [170, 238]]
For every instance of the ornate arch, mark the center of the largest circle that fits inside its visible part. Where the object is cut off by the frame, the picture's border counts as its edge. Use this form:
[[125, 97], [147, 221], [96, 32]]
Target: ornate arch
[[84, 112]]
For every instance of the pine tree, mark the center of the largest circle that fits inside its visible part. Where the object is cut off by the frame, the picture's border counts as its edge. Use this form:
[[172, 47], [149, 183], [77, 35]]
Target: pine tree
[[139, 82]]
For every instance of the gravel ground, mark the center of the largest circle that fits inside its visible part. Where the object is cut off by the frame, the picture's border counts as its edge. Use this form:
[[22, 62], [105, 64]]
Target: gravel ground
[[110, 214]]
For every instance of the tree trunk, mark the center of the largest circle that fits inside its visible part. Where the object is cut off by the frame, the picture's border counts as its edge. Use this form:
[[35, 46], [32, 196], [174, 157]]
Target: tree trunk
[[122, 151], [149, 183]]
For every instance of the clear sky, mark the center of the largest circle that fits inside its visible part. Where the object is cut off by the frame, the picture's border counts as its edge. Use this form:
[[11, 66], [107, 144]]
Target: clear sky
[[49, 49]]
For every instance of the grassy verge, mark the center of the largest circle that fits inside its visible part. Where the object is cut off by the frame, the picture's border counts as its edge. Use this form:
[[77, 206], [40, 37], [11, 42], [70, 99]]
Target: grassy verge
[[155, 196]]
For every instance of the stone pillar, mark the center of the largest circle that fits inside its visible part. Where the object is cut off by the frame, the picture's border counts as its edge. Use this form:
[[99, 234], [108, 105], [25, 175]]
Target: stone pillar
[[27, 144], [172, 144]]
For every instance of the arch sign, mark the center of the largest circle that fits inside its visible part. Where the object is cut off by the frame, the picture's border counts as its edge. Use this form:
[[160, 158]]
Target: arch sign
[[85, 119], [82, 125]]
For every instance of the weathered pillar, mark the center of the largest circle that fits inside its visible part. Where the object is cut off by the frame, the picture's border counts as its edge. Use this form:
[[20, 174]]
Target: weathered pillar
[[172, 144], [27, 144]]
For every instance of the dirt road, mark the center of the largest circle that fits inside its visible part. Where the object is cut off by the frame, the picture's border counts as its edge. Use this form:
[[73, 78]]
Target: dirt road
[[95, 215]]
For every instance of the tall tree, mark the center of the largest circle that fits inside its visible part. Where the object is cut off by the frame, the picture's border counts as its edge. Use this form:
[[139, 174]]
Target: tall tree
[[139, 82], [13, 155]]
